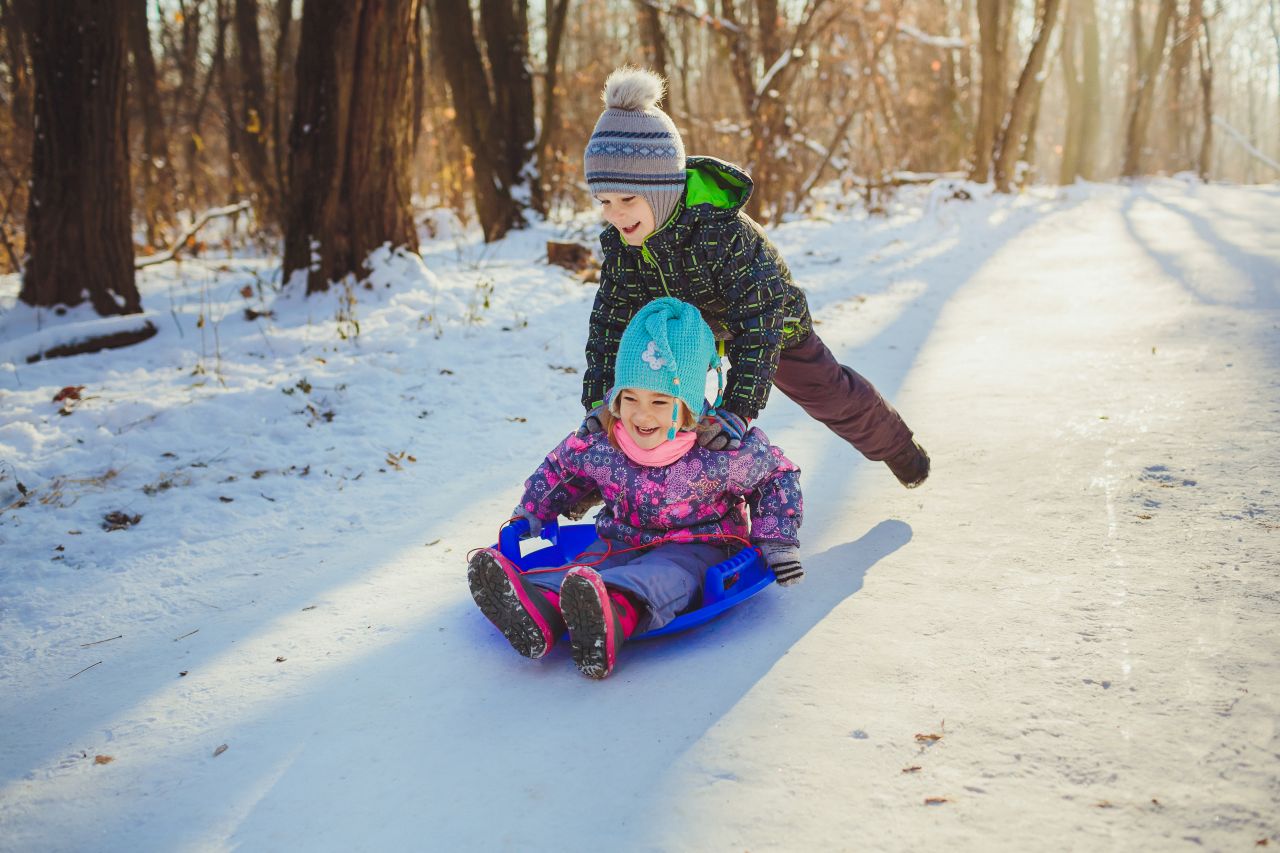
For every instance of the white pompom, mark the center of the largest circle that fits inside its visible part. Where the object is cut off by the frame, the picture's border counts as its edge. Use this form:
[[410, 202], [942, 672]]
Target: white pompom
[[633, 89]]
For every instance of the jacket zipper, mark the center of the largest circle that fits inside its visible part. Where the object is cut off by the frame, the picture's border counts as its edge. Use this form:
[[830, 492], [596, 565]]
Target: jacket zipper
[[649, 258]]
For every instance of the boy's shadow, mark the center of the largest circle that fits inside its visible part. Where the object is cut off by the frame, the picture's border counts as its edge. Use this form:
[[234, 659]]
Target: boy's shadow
[[503, 749]]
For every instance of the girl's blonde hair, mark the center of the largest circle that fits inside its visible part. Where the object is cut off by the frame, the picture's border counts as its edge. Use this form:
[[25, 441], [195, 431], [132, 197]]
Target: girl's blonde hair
[[688, 420]]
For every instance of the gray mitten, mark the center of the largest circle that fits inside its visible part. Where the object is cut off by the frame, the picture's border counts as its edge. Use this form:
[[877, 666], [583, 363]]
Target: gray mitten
[[784, 560], [535, 524], [591, 423], [721, 429]]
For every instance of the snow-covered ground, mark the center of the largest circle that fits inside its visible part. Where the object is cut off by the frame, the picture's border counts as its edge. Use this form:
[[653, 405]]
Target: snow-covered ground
[[1083, 602]]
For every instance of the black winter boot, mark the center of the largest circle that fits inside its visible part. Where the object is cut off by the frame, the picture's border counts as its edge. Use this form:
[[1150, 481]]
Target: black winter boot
[[517, 608], [595, 627], [910, 465]]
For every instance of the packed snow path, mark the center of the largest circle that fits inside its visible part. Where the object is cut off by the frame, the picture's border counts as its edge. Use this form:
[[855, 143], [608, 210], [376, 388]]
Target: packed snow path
[[1067, 639]]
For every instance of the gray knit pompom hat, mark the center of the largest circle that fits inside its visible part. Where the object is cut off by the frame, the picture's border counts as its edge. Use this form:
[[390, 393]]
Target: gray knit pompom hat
[[635, 147]]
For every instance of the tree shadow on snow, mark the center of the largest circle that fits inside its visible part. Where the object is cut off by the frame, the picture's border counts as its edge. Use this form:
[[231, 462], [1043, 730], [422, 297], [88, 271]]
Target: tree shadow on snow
[[1228, 259]]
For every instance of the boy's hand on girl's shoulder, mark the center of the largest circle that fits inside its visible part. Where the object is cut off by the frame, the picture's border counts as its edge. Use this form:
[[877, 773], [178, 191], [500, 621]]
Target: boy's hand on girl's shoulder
[[721, 429], [784, 560]]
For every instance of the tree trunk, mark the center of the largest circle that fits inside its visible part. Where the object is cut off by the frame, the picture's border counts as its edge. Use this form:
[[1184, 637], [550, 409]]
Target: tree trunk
[[557, 16], [497, 148], [993, 38], [351, 141], [157, 168], [1205, 53], [15, 148], [78, 230], [764, 96], [1091, 58], [1176, 145], [228, 76], [1026, 98], [279, 95], [653, 42], [1073, 86], [251, 118], [21, 95], [1029, 150], [1148, 61], [506, 37]]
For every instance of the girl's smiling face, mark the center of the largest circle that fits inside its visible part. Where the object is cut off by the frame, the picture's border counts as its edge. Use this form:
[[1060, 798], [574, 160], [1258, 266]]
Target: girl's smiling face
[[629, 213], [646, 415]]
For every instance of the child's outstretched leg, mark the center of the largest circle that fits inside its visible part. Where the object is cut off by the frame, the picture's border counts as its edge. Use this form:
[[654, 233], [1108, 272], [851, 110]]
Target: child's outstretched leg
[[851, 407], [599, 620], [523, 613]]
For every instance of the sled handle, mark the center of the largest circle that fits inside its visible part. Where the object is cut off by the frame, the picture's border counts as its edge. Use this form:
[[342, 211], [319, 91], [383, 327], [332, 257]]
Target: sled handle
[[509, 537]]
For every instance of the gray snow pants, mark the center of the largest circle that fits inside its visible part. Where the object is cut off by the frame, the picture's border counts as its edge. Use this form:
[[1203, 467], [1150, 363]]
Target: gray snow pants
[[837, 396], [666, 580]]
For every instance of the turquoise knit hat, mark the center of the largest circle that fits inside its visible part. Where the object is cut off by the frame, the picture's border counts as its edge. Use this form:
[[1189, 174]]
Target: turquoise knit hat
[[667, 347]]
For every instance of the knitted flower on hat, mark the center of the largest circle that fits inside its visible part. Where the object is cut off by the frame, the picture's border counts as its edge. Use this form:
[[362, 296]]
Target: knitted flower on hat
[[635, 147], [667, 347]]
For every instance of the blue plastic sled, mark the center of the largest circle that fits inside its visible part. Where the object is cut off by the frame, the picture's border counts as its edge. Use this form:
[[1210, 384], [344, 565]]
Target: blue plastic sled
[[725, 584]]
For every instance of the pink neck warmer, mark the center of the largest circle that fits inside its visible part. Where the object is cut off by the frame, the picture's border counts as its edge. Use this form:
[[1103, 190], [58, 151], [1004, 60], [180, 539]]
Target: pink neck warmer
[[659, 457]]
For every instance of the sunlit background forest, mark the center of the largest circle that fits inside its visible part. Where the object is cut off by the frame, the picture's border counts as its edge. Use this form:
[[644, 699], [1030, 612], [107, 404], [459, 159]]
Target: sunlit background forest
[[482, 108]]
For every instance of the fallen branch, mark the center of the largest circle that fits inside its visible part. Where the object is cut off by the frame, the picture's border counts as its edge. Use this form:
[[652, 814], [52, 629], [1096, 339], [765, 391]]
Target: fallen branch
[[172, 252]]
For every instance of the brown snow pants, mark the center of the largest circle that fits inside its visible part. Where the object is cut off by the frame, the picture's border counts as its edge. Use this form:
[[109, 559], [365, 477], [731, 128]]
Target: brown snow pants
[[839, 397]]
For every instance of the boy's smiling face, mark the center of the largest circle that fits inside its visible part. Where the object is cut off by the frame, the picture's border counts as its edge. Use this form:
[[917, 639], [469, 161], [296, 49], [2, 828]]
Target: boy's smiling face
[[645, 415], [629, 213]]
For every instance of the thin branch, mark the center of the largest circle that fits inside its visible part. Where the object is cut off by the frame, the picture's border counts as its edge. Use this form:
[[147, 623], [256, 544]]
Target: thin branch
[[86, 669], [98, 642], [724, 25], [1245, 143], [200, 222], [916, 34]]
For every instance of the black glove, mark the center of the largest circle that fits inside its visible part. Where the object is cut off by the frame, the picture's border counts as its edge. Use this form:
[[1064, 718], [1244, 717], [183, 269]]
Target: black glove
[[784, 560], [721, 429]]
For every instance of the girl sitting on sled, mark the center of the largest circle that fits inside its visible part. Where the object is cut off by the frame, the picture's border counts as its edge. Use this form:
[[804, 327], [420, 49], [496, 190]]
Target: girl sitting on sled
[[671, 507]]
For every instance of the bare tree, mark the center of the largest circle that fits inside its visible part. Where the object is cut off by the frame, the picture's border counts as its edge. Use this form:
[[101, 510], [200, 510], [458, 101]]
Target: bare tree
[[1081, 72], [351, 140], [1148, 57], [15, 145], [495, 120], [654, 41], [280, 93], [1026, 98], [1204, 52], [156, 170], [20, 84], [251, 119], [994, 24], [78, 234], [557, 13], [765, 87]]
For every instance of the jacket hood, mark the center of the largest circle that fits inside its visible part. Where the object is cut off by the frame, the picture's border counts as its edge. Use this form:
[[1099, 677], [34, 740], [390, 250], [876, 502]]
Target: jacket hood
[[723, 186], [714, 190]]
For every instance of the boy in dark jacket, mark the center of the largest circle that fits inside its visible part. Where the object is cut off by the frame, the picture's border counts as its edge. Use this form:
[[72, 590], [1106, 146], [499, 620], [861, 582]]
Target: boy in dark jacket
[[676, 228]]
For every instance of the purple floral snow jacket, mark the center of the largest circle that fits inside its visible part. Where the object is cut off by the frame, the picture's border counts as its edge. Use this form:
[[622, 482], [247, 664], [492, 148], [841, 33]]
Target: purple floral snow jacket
[[702, 492]]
